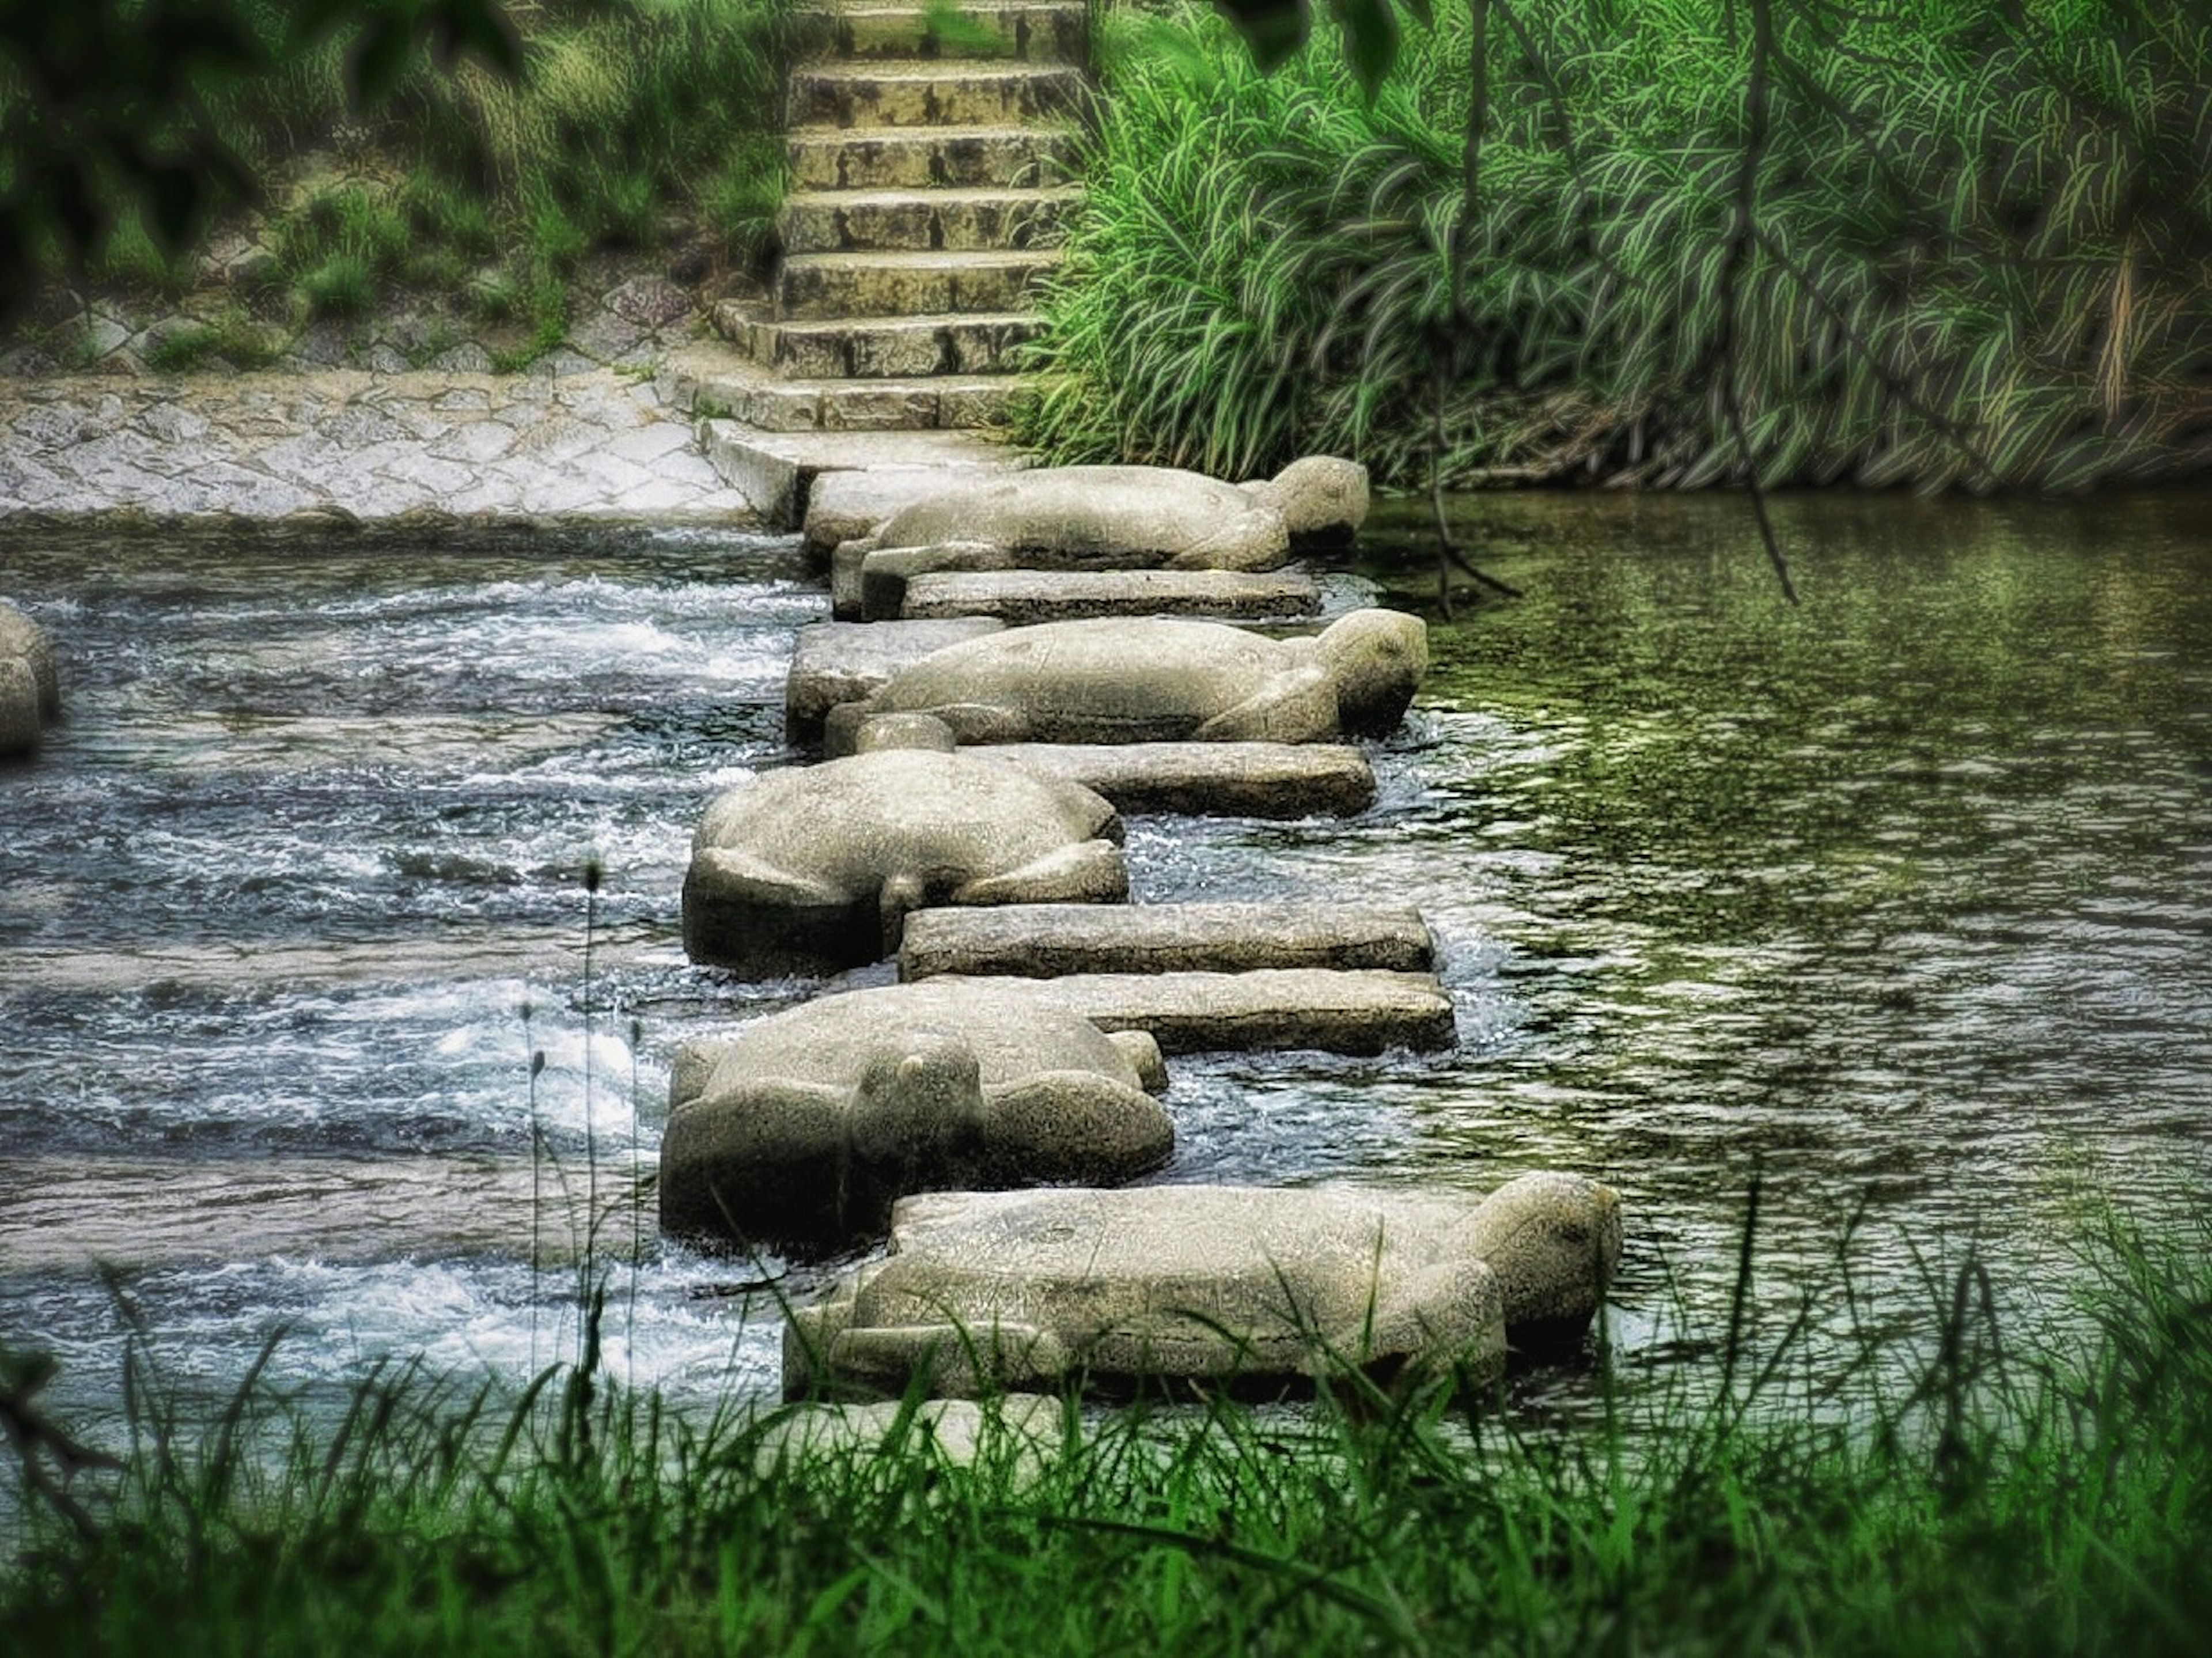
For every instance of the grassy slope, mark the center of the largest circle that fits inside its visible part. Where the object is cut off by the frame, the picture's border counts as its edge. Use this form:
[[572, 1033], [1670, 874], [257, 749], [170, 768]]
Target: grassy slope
[[630, 115], [1981, 255], [2009, 1502]]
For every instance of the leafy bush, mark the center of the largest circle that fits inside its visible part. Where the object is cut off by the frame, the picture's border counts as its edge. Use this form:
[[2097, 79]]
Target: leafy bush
[[1978, 253]]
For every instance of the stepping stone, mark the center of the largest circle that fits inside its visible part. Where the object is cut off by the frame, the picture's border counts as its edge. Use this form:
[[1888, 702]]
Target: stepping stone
[[1359, 1012], [838, 662], [1020, 598], [915, 220], [847, 505], [1024, 1431], [814, 870], [1046, 941], [802, 1128], [1207, 780], [1258, 1287]]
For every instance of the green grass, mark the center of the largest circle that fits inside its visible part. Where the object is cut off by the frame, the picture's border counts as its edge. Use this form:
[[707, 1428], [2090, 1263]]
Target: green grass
[[633, 120], [1981, 235], [1996, 1498]]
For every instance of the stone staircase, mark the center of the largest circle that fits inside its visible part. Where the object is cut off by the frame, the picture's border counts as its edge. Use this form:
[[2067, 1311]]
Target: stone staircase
[[931, 157]]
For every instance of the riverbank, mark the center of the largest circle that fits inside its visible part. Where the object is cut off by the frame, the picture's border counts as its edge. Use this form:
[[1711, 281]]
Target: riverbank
[[344, 445]]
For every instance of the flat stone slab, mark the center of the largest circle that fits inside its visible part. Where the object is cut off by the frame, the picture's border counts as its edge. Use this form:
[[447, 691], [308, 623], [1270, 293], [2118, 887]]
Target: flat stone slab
[[1022, 597], [1219, 1285], [847, 661], [849, 505], [1209, 779], [1360, 1011], [1050, 941]]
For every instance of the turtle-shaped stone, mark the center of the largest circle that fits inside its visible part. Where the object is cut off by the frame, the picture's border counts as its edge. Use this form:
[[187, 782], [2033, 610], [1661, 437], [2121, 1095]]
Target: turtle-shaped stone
[[1099, 518], [1157, 679], [1219, 1285], [805, 1125], [813, 870]]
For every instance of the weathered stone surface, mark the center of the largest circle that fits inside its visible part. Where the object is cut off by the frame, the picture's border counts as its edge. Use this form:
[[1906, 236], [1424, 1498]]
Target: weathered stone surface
[[1359, 1012], [1102, 518], [1023, 597], [1216, 1284], [21, 637], [814, 870], [847, 505], [909, 158], [924, 94], [837, 662], [822, 221], [1025, 1431], [1034, 32], [825, 285], [1324, 500], [1155, 680], [1045, 941], [805, 1127], [1229, 779]]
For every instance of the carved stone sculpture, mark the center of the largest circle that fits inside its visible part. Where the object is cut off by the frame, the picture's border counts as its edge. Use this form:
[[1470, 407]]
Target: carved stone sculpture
[[1213, 1285], [814, 870], [805, 1127], [1100, 518], [1159, 681]]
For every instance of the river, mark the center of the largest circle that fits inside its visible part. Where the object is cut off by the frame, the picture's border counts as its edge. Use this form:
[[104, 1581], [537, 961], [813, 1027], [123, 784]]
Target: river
[[1903, 897]]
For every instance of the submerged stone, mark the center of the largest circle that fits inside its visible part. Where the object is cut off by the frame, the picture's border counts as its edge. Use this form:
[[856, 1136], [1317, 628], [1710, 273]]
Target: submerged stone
[[814, 870], [1257, 1287], [802, 1127]]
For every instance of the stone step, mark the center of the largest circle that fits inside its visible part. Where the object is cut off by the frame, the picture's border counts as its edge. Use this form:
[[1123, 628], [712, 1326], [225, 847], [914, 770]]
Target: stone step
[[1021, 598], [918, 219], [819, 286], [835, 662], [891, 348], [915, 158], [1209, 779], [917, 93], [745, 394], [1042, 31], [1358, 1011], [1050, 941]]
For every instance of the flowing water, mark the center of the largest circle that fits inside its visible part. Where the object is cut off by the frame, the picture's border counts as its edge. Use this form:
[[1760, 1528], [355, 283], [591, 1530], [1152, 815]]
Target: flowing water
[[1903, 896]]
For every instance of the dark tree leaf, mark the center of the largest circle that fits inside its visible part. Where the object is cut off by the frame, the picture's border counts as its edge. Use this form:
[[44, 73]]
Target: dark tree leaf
[[480, 26], [173, 195], [1273, 29], [1371, 39]]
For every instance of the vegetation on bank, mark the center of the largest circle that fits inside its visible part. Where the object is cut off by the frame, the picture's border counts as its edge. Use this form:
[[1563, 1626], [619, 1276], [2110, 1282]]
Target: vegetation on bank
[[2003, 1500], [1979, 251], [631, 124]]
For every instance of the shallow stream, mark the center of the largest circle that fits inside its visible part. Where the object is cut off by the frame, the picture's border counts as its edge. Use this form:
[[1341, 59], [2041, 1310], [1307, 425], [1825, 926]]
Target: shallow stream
[[1903, 896]]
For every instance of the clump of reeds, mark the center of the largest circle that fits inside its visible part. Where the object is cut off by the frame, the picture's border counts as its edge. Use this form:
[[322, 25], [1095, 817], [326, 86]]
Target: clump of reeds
[[1978, 253], [2002, 1498]]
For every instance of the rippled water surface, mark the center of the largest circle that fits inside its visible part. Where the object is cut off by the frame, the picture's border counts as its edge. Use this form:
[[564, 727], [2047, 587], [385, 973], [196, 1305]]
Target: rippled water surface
[[1904, 896]]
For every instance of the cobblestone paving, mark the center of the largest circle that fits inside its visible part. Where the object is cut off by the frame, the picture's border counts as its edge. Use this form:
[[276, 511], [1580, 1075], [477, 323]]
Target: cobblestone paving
[[598, 444]]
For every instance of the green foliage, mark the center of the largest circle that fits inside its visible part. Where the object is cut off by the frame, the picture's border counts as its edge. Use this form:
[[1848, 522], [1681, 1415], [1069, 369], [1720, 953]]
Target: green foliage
[[233, 338], [1998, 1498], [610, 116], [1979, 251]]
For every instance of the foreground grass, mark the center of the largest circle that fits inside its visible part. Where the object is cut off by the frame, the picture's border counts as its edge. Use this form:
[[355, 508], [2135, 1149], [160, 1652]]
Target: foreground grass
[[2008, 1502], [1977, 254]]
